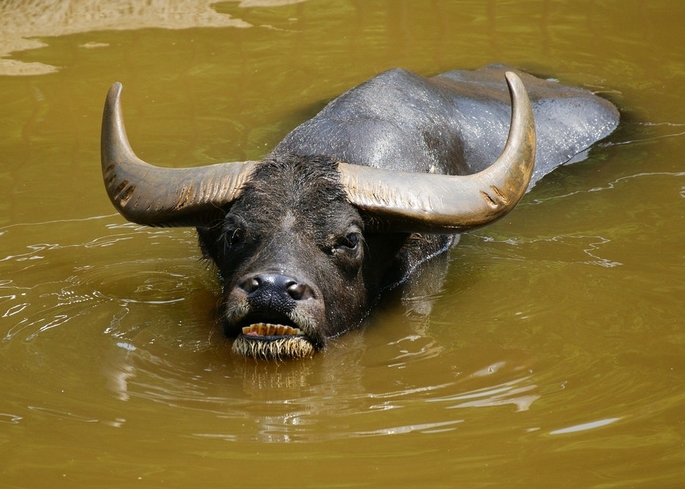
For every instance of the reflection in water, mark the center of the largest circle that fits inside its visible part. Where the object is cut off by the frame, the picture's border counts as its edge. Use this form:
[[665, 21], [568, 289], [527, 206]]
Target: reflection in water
[[498, 395], [338, 395], [172, 359], [613, 184], [569, 249], [303, 401], [33, 308], [266, 3], [21, 23], [584, 426]]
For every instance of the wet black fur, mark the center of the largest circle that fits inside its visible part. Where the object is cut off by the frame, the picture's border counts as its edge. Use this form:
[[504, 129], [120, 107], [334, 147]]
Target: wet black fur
[[293, 216], [320, 247]]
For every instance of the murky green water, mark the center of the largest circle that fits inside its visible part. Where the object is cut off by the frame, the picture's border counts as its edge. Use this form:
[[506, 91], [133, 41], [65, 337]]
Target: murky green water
[[554, 355]]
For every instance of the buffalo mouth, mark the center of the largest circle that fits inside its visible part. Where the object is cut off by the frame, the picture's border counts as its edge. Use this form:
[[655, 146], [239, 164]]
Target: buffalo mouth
[[261, 340], [260, 330]]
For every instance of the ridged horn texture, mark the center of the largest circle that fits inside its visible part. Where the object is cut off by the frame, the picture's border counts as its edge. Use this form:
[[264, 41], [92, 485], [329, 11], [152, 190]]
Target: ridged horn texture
[[154, 196], [421, 202]]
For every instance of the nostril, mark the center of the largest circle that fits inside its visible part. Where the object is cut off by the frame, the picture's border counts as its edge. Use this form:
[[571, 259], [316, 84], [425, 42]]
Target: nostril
[[251, 284], [299, 291], [272, 286]]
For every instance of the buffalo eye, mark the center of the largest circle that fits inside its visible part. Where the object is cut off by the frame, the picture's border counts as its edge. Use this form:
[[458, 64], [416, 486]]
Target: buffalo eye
[[350, 241], [232, 238], [346, 252], [236, 237], [347, 243]]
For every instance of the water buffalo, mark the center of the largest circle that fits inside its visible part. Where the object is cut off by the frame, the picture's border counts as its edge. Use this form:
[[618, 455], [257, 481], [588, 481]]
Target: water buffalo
[[351, 201]]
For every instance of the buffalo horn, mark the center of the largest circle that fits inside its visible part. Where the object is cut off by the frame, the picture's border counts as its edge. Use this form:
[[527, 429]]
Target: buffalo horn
[[155, 196], [422, 202]]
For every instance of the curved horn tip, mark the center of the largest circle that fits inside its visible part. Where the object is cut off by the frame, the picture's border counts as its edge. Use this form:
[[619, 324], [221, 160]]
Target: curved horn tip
[[114, 92], [512, 77], [515, 84]]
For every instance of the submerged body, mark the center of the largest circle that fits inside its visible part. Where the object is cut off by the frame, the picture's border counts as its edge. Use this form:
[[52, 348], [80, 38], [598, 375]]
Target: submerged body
[[454, 123], [351, 201]]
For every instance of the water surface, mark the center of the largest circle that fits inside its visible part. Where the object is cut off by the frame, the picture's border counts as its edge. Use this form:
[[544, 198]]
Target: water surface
[[551, 356]]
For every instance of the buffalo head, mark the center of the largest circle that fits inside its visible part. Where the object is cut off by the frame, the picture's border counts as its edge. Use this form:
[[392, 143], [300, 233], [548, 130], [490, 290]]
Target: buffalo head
[[304, 244]]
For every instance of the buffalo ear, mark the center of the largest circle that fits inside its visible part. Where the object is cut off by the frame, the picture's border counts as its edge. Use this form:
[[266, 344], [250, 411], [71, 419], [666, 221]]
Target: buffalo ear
[[420, 202], [208, 239]]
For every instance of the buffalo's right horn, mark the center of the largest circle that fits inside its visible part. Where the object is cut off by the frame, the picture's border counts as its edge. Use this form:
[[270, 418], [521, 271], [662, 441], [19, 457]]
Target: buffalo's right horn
[[422, 202], [155, 196]]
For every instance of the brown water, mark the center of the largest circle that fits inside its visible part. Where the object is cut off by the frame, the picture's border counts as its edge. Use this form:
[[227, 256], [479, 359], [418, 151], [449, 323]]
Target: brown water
[[554, 355]]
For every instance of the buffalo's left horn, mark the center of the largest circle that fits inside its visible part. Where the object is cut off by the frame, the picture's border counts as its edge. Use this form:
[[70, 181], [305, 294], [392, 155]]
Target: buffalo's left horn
[[421, 202], [155, 196]]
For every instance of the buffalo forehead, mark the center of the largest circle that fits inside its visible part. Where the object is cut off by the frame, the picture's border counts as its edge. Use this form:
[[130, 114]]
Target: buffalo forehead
[[297, 195]]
